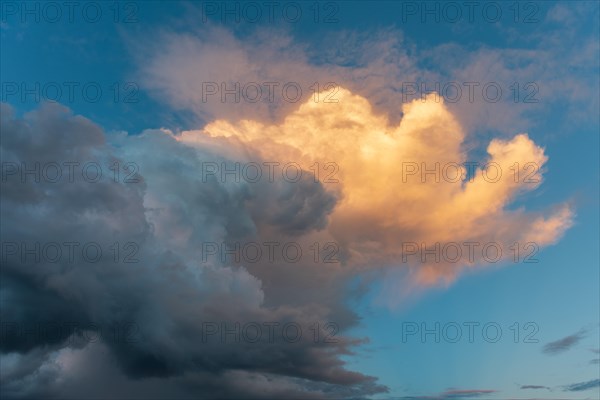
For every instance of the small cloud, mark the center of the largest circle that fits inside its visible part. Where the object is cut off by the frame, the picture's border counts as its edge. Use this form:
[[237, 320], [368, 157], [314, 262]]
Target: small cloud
[[453, 394], [461, 394], [534, 387], [578, 387], [563, 344]]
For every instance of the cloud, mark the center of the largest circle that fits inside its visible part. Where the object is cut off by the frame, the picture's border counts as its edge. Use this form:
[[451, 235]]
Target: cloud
[[371, 67], [172, 208], [381, 206], [455, 394], [534, 387], [578, 387], [68, 373], [563, 344], [378, 64], [150, 315]]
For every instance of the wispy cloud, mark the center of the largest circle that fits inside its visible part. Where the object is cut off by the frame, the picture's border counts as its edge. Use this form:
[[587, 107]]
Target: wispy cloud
[[458, 394], [534, 387], [563, 344], [454, 394], [578, 387]]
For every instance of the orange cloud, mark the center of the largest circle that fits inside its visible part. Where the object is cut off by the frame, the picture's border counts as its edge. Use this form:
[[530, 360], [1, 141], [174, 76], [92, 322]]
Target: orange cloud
[[400, 184]]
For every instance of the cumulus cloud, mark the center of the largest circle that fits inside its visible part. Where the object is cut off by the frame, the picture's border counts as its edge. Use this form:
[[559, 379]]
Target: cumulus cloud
[[369, 201], [166, 207], [387, 198]]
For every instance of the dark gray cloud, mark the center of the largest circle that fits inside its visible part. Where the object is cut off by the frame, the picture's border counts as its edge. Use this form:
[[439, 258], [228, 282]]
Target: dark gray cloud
[[108, 382], [578, 387], [152, 306], [563, 344]]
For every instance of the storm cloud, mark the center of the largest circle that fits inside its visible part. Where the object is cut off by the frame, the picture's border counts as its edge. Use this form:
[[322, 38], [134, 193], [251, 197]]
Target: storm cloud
[[108, 255]]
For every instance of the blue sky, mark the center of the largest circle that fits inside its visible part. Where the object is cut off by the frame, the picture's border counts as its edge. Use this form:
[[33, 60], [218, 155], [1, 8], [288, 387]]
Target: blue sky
[[162, 55]]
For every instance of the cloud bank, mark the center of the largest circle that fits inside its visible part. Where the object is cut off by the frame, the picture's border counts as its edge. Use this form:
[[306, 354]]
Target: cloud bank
[[379, 198], [169, 208]]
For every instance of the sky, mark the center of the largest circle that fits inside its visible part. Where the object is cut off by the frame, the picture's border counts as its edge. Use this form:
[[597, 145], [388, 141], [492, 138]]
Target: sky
[[267, 200]]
